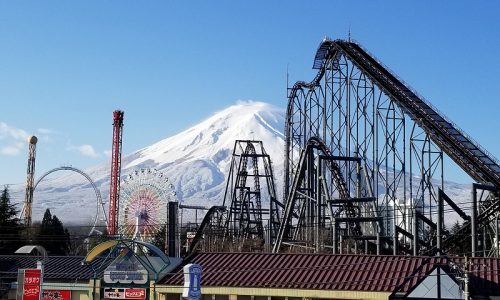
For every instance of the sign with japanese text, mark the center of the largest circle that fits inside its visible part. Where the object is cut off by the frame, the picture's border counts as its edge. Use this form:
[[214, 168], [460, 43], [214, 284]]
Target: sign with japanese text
[[56, 295], [112, 293], [29, 283], [134, 293], [125, 293]]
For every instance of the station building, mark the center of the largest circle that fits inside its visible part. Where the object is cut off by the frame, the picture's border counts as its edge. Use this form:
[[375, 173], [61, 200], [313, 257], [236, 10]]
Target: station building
[[262, 276]]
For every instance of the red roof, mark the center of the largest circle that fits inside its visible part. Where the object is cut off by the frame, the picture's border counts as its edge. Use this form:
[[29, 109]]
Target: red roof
[[328, 272]]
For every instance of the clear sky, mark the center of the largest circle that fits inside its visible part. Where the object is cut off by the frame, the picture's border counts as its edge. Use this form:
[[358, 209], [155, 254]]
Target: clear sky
[[66, 65]]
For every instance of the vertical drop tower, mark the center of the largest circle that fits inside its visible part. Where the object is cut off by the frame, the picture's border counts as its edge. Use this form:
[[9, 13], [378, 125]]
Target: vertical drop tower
[[28, 199], [116, 160]]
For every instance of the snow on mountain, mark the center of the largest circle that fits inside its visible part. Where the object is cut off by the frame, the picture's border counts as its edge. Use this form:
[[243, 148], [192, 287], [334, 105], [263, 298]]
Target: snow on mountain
[[196, 161]]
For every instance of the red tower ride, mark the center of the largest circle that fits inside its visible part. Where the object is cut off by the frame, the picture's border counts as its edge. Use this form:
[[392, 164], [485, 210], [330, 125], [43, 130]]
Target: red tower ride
[[116, 162]]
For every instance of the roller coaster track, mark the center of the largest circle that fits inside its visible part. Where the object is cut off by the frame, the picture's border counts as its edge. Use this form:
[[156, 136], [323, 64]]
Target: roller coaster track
[[245, 193], [480, 165], [472, 158], [246, 208], [211, 217], [461, 148], [291, 207], [334, 167], [465, 230]]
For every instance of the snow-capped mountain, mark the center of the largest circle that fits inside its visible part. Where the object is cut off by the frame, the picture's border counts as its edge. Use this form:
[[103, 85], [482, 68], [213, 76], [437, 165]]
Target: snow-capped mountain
[[196, 161]]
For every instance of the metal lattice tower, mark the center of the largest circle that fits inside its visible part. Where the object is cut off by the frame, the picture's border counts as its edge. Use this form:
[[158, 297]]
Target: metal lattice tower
[[320, 198], [360, 143], [28, 199], [251, 180], [116, 156]]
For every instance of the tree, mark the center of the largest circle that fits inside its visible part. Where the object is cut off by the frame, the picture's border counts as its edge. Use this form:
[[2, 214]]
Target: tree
[[11, 229], [159, 240], [465, 245], [455, 228], [53, 236]]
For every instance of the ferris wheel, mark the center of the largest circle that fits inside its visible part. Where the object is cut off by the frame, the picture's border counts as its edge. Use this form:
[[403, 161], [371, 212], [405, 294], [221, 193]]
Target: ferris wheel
[[144, 197]]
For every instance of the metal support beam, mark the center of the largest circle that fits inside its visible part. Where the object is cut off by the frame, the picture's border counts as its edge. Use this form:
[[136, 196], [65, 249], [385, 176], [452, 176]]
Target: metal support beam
[[415, 232], [319, 207], [439, 230], [474, 221], [442, 195]]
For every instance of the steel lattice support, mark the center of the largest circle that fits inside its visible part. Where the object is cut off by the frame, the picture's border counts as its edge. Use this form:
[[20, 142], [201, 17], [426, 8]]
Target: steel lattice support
[[392, 142], [251, 180], [426, 161], [116, 158], [210, 233], [319, 205]]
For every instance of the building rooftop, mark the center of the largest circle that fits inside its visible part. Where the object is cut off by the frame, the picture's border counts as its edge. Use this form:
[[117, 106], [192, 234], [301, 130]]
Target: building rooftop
[[56, 268], [294, 271], [331, 272]]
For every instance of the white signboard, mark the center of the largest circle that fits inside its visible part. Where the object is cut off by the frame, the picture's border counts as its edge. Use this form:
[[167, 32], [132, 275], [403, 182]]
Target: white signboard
[[192, 282], [126, 269]]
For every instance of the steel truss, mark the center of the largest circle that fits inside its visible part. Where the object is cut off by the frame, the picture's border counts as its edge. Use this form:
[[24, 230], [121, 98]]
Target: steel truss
[[320, 199], [250, 182], [359, 117], [209, 235]]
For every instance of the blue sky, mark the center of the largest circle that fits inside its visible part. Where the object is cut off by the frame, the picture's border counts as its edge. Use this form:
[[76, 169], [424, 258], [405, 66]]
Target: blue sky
[[66, 65]]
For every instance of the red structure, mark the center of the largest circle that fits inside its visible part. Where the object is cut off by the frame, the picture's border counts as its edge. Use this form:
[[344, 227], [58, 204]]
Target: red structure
[[116, 161]]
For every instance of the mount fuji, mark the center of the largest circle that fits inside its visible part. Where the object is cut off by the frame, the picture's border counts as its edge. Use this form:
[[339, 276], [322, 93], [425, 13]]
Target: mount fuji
[[196, 162]]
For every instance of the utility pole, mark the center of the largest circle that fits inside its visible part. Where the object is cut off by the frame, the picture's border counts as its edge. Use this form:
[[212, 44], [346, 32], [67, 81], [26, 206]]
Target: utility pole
[[466, 280]]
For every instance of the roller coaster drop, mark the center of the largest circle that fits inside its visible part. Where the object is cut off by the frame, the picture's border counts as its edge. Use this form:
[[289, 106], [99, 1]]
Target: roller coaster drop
[[245, 216], [364, 169], [354, 136], [240, 220]]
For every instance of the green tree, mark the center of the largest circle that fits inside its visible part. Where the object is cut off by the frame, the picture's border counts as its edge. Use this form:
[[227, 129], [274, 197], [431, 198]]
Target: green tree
[[11, 229], [53, 236], [455, 228], [464, 246], [159, 238]]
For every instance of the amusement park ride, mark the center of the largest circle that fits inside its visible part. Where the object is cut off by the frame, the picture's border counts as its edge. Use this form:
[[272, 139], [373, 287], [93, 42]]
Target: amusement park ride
[[116, 163], [364, 173], [144, 198]]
